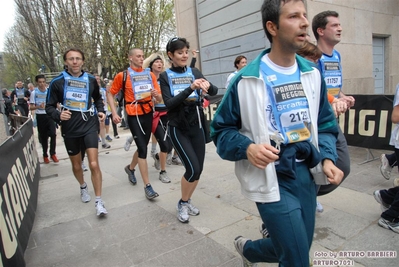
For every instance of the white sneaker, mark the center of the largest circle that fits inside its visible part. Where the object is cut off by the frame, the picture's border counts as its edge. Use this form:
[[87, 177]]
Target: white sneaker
[[377, 196], [394, 226], [169, 159], [176, 161], [128, 143], [100, 208], [192, 210], [182, 212], [84, 195], [163, 177], [157, 163], [84, 167], [319, 207], [239, 243], [385, 168]]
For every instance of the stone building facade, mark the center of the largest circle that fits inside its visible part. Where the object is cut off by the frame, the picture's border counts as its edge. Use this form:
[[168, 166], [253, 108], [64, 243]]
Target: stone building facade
[[223, 29]]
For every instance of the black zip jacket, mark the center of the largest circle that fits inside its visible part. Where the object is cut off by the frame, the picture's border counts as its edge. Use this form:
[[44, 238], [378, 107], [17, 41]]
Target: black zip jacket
[[183, 114]]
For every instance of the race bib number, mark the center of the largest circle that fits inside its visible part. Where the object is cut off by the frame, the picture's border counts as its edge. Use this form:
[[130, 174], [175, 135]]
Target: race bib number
[[74, 96], [333, 81], [142, 91], [141, 84], [294, 123], [296, 116]]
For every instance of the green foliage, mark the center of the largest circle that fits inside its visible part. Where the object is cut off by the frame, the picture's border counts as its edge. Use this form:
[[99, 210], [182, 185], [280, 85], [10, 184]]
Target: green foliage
[[104, 29]]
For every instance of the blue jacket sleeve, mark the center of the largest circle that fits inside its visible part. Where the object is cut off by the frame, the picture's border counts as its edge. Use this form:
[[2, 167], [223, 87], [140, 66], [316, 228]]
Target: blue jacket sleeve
[[230, 143]]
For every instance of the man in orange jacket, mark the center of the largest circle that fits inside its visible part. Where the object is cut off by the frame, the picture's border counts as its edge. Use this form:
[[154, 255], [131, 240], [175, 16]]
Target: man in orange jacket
[[140, 87]]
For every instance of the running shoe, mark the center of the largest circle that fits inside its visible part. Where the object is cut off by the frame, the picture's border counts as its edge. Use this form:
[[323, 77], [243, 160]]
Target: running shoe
[[394, 226], [157, 163], [176, 161], [239, 243], [192, 210], [85, 169], [163, 177], [169, 159], [130, 175], [263, 230], [377, 196], [100, 208], [108, 138], [84, 195], [128, 143], [385, 168], [319, 207], [54, 158], [106, 145], [46, 160], [149, 192], [182, 212], [116, 136]]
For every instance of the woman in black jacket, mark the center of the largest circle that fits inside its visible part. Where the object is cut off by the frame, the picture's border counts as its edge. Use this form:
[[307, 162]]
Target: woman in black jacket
[[183, 89]]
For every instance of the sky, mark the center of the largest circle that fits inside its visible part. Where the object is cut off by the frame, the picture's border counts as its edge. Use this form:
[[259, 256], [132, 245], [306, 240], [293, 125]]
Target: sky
[[6, 19]]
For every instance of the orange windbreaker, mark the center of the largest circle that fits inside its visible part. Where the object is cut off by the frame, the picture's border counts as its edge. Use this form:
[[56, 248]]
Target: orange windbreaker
[[134, 109]]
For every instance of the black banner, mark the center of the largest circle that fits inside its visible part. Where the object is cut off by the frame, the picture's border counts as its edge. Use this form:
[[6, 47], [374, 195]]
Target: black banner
[[367, 124], [19, 180]]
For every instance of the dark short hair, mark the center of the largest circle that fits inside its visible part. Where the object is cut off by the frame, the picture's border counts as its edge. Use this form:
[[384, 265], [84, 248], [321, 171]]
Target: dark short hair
[[40, 76], [320, 21], [176, 43], [74, 50], [158, 57], [270, 11], [237, 60]]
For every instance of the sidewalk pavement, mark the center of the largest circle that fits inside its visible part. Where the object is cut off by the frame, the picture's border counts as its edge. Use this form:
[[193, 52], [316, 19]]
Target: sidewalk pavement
[[139, 232]]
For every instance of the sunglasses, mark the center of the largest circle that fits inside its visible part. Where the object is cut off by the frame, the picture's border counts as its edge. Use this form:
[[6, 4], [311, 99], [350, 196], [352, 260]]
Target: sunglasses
[[174, 39]]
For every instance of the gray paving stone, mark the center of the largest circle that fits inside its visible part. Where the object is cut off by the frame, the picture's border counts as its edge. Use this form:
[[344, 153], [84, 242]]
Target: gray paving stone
[[139, 232], [374, 238], [102, 256], [335, 227], [141, 225], [60, 231], [202, 252], [45, 255]]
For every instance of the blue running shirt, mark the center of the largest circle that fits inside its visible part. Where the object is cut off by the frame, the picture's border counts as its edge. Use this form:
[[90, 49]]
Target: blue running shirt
[[287, 106], [331, 68], [76, 92]]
